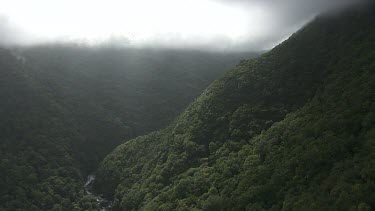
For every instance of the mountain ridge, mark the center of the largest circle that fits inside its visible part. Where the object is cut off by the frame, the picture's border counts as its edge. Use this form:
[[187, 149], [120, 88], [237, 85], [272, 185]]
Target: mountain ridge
[[64, 108], [205, 158]]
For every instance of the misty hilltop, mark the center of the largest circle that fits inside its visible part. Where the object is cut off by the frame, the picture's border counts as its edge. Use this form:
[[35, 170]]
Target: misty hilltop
[[291, 130], [65, 108], [175, 105], [215, 25]]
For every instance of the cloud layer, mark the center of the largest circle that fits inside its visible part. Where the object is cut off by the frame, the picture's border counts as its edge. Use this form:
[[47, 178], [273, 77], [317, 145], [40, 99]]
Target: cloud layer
[[237, 25]]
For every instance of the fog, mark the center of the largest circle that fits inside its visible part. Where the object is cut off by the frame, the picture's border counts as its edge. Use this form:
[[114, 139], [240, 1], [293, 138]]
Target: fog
[[222, 25]]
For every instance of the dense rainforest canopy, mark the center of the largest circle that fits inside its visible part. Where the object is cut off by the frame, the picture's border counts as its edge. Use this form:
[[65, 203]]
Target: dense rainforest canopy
[[64, 108], [291, 130]]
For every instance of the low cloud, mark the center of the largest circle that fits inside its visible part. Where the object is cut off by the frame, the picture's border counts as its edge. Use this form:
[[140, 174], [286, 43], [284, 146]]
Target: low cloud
[[220, 25]]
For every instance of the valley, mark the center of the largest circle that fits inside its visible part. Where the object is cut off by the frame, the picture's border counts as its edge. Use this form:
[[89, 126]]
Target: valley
[[116, 128], [66, 107]]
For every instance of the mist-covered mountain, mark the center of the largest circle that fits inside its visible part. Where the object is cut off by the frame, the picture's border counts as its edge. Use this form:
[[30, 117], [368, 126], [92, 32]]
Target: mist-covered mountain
[[65, 107], [291, 130], [116, 93]]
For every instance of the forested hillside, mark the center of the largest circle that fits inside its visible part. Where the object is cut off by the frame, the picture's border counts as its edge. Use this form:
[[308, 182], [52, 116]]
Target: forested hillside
[[115, 94], [64, 108], [37, 167], [291, 130]]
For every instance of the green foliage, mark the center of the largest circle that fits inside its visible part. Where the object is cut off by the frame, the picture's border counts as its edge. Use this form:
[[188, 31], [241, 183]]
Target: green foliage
[[37, 169], [291, 130], [117, 94], [64, 108]]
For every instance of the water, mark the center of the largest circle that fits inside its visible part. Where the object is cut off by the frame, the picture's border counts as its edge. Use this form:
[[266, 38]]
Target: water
[[104, 204]]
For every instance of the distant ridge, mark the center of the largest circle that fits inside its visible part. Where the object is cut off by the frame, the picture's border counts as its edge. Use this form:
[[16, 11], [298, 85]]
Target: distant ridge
[[291, 130]]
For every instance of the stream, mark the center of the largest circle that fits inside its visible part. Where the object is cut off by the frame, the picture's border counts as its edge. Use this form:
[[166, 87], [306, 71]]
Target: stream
[[104, 204]]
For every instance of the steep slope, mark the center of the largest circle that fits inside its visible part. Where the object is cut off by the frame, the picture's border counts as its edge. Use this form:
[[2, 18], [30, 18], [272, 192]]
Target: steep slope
[[118, 94], [291, 130], [64, 108], [37, 167]]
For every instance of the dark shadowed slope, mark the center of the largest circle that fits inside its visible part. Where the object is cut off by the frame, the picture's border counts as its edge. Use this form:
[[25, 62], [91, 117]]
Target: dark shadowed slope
[[37, 140], [64, 108], [291, 130], [117, 94]]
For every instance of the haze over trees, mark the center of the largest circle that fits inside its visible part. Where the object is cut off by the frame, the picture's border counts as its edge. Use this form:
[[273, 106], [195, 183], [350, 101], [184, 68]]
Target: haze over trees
[[65, 107], [291, 129]]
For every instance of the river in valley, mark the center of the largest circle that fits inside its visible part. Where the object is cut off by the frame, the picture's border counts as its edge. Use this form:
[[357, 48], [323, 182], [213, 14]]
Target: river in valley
[[104, 204]]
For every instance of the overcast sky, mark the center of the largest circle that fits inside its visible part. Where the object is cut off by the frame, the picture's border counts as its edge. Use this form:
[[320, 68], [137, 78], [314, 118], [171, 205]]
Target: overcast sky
[[206, 24]]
